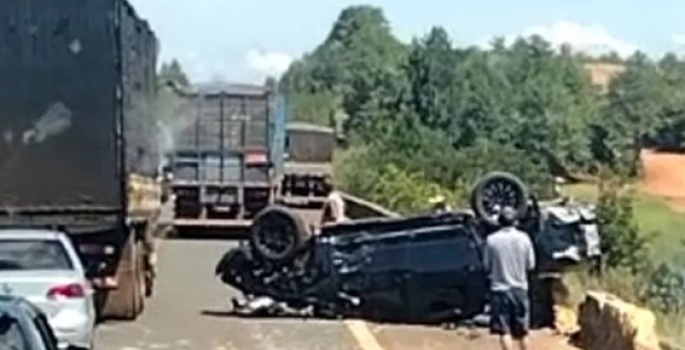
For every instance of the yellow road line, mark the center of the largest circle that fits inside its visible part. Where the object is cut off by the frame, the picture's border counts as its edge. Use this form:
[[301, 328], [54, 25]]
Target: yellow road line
[[362, 334]]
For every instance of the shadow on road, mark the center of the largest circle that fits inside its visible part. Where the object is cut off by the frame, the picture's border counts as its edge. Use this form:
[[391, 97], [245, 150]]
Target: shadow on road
[[258, 316], [207, 233], [215, 313]]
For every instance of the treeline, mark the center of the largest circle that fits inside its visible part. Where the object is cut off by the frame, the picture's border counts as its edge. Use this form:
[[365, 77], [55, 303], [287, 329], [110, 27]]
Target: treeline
[[432, 116]]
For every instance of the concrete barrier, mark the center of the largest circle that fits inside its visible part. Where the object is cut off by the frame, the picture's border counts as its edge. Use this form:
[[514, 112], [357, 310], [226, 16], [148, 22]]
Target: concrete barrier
[[609, 323]]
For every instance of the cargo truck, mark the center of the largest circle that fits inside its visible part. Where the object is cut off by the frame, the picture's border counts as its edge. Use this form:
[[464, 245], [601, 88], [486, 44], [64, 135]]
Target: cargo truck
[[308, 159], [227, 156], [78, 151]]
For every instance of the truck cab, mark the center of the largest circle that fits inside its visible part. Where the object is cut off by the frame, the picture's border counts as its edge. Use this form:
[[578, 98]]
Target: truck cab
[[308, 159]]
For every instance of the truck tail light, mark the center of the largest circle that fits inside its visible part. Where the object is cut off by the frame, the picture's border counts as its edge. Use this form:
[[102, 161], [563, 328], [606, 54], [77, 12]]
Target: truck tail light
[[67, 291], [96, 249]]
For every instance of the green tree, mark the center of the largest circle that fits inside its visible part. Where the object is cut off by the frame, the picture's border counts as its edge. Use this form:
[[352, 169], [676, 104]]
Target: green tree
[[451, 113], [631, 113], [359, 55], [172, 71]]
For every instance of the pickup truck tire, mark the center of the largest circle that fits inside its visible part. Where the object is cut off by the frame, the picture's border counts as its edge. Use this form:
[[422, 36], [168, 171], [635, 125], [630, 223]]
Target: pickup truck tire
[[126, 302], [278, 234], [498, 188]]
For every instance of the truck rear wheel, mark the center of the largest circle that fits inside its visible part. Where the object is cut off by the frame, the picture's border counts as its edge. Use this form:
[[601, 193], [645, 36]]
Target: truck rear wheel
[[127, 301], [141, 280]]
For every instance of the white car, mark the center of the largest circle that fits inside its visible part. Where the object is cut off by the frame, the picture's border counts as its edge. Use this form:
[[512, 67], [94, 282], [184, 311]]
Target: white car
[[43, 267]]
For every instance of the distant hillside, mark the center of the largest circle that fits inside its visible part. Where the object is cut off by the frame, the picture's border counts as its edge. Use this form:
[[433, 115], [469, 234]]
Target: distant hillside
[[602, 73]]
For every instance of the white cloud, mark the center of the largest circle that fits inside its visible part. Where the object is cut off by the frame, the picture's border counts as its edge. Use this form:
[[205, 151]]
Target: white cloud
[[678, 39], [195, 67], [591, 39], [268, 63]]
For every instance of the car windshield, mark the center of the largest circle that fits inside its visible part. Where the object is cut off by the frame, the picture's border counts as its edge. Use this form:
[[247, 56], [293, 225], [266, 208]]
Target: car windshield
[[33, 255], [11, 337]]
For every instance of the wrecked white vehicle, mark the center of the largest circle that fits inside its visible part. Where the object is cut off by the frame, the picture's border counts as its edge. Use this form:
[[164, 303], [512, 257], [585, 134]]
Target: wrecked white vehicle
[[419, 269]]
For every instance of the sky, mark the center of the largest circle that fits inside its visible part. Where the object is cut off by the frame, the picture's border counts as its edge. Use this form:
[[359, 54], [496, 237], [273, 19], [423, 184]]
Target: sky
[[247, 40]]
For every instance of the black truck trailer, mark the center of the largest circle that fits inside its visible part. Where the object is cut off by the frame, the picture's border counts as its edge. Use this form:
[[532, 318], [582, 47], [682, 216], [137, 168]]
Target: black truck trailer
[[78, 151]]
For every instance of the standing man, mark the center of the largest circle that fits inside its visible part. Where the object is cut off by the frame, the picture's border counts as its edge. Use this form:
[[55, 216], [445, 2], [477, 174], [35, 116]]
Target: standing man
[[334, 207], [509, 257], [558, 183]]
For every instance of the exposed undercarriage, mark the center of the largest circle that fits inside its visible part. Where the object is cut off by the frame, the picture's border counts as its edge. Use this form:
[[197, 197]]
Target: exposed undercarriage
[[420, 269]]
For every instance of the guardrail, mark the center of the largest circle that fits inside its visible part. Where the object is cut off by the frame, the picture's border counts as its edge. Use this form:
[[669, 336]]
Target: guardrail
[[357, 208]]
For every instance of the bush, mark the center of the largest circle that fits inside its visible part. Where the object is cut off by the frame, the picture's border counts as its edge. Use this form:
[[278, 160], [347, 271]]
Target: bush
[[407, 192], [664, 289], [365, 173], [622, 244], [355, 170]]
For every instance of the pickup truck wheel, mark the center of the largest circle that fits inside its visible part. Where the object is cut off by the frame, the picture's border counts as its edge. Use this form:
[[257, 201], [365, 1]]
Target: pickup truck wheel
[[278, 234], [496, 190]]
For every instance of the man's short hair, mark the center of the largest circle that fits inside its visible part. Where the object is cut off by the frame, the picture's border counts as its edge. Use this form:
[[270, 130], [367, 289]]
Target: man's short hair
[[507, 217]]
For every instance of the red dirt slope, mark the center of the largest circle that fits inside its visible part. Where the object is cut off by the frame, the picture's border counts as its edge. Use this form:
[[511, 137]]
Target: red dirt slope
[[664, 176]]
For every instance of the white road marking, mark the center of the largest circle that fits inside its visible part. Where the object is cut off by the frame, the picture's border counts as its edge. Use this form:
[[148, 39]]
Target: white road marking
[[362, 334]]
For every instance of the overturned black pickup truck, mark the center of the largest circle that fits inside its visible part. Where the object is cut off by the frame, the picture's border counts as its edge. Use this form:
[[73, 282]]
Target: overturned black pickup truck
[[419, 269]]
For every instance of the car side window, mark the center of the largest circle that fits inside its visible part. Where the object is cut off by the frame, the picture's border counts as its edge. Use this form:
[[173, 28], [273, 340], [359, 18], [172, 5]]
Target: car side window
[[46, 335]]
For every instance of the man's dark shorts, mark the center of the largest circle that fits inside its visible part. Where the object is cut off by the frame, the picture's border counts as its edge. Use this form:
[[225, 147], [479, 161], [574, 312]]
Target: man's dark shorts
[[509, 313]]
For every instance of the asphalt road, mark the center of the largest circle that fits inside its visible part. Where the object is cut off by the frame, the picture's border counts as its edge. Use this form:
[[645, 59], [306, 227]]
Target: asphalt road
[[188, 312]]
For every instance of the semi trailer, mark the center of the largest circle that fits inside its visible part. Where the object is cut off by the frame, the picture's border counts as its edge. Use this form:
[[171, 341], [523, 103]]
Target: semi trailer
[[78, 148], [226, 162]]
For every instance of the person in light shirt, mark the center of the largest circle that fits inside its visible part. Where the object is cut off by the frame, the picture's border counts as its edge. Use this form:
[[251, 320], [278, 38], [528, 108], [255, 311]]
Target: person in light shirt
[[509, 259], [334, 207], [439, 204]]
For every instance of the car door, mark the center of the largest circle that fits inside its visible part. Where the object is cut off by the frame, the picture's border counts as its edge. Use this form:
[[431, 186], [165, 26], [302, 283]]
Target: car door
[[446, 273]]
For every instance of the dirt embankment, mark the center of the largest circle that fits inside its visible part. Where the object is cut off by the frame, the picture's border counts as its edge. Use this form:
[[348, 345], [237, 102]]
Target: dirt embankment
[[664, 176]]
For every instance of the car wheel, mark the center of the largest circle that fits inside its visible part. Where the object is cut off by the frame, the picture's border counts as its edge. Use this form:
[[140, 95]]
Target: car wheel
[[278, 234], [496, 190]]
